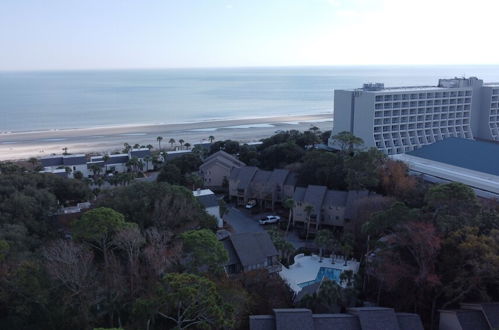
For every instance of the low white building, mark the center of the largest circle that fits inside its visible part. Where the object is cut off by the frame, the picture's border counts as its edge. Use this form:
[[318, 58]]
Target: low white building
[[67, 165], [114, 163], [57, 164], [211, 203]]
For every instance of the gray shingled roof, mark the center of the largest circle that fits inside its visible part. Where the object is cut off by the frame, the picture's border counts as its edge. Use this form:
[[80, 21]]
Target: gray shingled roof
[[360, 318], [308, 290], [472, 320], [409, 321], [376, 318], [222, 160], [336, 322], [117, 159], [172, 155], [315, 196], [261, 176], [51, 161], [253, 248], [245, 175], [294, 319], [278, 176], [223, 155], [262, 322], [208, 200], [74, 160], [234, 173], [299, 194], [229, 247], [470, 154], [336, 198], [291, 180], [491, 311], [140, 153]]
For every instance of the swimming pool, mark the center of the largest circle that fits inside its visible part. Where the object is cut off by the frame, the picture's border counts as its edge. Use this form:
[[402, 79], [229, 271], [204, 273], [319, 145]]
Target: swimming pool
[[331, 273]]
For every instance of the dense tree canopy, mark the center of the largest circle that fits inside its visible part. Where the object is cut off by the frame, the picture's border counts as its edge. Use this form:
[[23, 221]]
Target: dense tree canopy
[[204, 252], [186, 300], [164, 206]]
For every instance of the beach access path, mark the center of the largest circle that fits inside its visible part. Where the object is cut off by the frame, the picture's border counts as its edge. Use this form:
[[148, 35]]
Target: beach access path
[[22, 145]]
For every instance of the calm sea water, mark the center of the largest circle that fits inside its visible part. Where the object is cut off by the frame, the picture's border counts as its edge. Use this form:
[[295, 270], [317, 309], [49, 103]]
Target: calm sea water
[[80, 99]]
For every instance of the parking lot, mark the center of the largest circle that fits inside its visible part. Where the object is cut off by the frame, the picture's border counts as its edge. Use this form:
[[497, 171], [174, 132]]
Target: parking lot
[[242, 221]]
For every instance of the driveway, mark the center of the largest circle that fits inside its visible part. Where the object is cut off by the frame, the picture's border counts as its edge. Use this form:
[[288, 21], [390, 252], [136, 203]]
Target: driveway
[[243, 222]]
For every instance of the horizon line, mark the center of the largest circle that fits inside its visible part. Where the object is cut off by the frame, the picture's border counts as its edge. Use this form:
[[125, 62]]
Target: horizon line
[[240, 67]]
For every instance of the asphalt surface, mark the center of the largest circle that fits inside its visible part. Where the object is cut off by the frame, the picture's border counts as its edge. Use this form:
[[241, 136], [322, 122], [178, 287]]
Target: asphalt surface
[[242, 221]]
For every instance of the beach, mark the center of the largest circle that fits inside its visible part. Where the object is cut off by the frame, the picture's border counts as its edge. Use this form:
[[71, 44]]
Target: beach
[[22, 145]]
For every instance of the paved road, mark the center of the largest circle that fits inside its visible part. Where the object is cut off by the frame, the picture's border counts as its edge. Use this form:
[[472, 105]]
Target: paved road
[[243, 222]]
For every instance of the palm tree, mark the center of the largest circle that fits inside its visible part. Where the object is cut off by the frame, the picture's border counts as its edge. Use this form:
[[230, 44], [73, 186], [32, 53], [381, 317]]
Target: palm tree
[[308, 210], [105, 158], [96, 169], [65, 149], [149, 146], [159, 139], [347, 250], [181, 143], [187, 145], [172, 142], [289, 204], [314, 129], [126, 148], [136, 146], [133, 164], [211, 138], [33, 162], [323, 240]]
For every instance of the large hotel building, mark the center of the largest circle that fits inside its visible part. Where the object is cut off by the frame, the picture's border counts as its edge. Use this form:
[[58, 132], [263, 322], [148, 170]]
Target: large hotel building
[[401, 119]]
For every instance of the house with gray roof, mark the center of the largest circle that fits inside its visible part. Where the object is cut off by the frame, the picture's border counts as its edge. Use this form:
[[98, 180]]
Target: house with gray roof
[[216, 169], [240, 184], [210, 202], [251, 251], [358, 318], [171, 155], [316, 206], [266, 187], [118, 163], [70, 164], [471, 316]]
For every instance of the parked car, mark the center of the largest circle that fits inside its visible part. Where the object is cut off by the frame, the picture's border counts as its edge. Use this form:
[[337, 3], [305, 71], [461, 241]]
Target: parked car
[[269, 219], [251, 204]]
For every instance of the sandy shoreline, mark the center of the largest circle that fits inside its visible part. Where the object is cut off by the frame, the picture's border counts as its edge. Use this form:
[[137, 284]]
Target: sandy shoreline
[[22, 145]]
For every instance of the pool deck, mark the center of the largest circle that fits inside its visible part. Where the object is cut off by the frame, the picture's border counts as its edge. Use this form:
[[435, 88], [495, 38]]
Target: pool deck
[[305, 268]]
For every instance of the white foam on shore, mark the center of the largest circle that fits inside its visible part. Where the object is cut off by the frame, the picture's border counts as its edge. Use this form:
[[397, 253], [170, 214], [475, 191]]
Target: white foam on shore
[[251, 126], [133, 134], [52, 140], [313, 113], [212, 129]]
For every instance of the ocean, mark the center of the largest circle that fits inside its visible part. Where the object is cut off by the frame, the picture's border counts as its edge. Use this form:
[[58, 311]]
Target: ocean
[[38, 101]]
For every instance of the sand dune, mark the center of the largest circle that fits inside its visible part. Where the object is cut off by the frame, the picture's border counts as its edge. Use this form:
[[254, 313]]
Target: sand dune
[[22, 145]]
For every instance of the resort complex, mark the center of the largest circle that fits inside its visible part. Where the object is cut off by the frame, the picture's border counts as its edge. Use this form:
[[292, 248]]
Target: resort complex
[[400, 119]]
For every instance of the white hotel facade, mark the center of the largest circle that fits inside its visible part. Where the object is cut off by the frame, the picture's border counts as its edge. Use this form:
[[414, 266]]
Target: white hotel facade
[[400, 119]]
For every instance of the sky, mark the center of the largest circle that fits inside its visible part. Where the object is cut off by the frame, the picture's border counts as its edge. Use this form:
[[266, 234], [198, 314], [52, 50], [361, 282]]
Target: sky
[[119, 34]]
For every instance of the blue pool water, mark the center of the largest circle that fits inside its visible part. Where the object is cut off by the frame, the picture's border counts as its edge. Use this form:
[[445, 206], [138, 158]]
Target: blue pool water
[[331, 273]]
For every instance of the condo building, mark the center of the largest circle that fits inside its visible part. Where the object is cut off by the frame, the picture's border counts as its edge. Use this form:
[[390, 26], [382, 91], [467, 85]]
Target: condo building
[[400, 119]]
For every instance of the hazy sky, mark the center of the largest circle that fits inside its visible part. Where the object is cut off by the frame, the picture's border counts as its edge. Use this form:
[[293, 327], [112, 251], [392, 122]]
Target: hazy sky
[[98, 34]]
